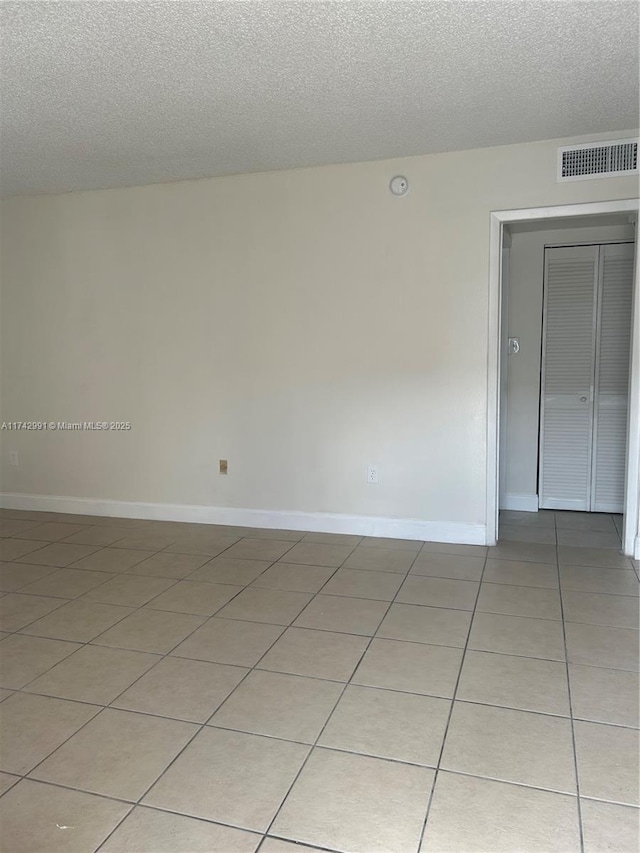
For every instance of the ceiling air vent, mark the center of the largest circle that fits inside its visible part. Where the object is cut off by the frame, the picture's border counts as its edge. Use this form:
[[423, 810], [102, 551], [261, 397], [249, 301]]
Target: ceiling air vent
[[598, 160]]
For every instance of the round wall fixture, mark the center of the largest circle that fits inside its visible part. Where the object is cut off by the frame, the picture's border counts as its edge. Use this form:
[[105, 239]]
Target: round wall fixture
[[399, 185]]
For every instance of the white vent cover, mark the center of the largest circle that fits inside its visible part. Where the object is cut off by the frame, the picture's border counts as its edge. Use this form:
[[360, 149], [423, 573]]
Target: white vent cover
[[598, 160]]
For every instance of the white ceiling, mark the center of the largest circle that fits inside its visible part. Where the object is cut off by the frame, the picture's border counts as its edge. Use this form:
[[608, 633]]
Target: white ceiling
[[105, 94]]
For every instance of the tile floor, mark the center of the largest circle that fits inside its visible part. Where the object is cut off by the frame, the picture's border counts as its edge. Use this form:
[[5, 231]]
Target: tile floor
[[186, 688]]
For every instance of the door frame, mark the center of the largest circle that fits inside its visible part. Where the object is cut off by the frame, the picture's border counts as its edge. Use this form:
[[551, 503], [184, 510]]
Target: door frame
[[500, 218]]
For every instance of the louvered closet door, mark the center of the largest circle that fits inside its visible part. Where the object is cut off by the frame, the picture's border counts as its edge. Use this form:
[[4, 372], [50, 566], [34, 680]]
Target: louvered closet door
[[612, 377], [568, 353]]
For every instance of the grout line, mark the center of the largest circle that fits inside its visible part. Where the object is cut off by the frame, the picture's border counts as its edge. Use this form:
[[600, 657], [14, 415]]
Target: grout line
[[573, 734], [448, 723], [338, 700]]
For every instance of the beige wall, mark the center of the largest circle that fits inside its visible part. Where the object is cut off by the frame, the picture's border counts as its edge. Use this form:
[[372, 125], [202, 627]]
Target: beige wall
[[302, 324], [526, 271]]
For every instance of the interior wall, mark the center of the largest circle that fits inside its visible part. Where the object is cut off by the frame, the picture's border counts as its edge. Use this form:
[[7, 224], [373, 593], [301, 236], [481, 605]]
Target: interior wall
[[526, 273], [301, 324]]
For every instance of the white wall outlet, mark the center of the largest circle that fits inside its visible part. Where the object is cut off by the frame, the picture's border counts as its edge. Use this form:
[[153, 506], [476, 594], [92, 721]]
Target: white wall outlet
[[13, 458], [372, 474]]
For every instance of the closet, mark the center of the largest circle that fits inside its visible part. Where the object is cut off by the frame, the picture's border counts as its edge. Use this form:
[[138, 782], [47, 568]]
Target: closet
[[585, 376]]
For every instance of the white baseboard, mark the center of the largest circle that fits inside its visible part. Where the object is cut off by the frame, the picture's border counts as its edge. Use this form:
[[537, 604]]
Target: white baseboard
[[316, 522], [523, 503]]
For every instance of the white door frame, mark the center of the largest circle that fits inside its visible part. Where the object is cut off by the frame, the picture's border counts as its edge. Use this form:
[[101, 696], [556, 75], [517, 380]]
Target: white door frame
[[500, 218]]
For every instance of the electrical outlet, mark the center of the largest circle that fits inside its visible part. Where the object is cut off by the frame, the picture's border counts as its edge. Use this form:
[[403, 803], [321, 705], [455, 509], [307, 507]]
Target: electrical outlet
[[13, 458], [372, 474], [223, 466]]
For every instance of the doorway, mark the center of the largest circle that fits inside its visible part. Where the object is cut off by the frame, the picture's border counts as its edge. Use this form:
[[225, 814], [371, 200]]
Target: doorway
[[584, 221]]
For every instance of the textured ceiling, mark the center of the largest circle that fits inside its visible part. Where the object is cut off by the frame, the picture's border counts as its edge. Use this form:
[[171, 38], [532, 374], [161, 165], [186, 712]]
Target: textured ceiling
[[104, 94]]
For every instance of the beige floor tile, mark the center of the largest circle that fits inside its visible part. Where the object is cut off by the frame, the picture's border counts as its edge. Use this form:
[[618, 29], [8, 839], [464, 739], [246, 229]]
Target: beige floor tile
[[516, 682], [609, 828], [23, 658], [31, 727], [452, 548], [608, 762], [616, 611], [147, 540], [12, 549], [589, 539], [150, 631], [118, 754], [541, 518], [596, 645], [14, 576], [102, 535], [53, 531], [388, 543], [275, 606], [374, 806], [269, 533], [258, 549], [319, 654], [332, 539], [605, 695], [57, 554], [184, 689], [79, 621], [112, 560], [605, 558], [499, 818], [279, 705], [228, 570], [438, 592], [567, 520], [151, 831], [93, 674], [315, 554], [517, 635], [36, 516], [166, 565], [519, 601], [413, 667], [209, 545], [17, 610], [527, 533], [528, 552], [388, 724], [277, 845], [357, 584], [456, 566], [343, 614], [6, 781], [226, 641], [67, 583], [294, 577], [592, 579], [519, 573], [230, 777], [511, 746], [380, 559], [200, 599], [129, 590], [32, 812], [434, 625], [13, 527]]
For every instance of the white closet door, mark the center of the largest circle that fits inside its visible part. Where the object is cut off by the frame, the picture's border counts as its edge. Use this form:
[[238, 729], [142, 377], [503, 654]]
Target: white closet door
[[568, 353], [612, 377]]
